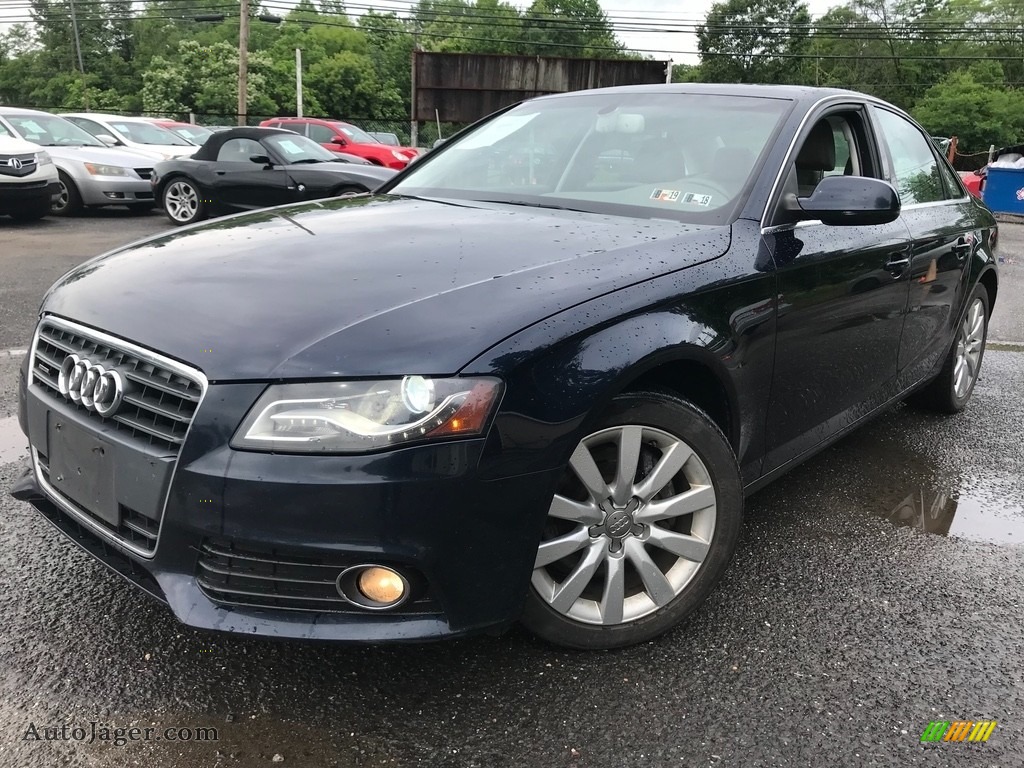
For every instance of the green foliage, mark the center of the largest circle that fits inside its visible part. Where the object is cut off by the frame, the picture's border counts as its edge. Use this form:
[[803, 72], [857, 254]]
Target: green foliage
[[754, 41], [970, 105]]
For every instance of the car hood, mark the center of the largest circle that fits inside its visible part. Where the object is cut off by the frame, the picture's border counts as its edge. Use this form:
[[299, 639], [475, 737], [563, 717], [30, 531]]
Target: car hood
[[125, 158], [365, 286], [347, 169]]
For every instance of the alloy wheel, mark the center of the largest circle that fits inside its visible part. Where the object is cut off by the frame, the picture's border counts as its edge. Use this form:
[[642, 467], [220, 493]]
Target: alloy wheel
[[629, 527], [181, 201], [969, 348], [63, 199]]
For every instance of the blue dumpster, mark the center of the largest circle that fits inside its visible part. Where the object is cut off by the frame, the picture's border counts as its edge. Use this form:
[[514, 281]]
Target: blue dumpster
[[1004, 190]]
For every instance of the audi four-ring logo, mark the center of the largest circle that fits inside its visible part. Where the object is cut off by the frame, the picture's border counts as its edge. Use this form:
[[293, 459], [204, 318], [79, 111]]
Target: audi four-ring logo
[[15, 163], [91, 385]]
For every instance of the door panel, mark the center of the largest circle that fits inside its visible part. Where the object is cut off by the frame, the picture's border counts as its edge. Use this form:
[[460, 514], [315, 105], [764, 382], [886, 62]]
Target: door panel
[[840, 314], [243, 186]]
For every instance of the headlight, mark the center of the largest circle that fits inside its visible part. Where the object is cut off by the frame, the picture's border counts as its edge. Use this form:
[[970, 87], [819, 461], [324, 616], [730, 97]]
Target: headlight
[[360, 416], [43, 158], [399, 156], [97, 169]]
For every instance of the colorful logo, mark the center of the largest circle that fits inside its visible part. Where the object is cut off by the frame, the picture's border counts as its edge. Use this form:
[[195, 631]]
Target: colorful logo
[[959, 730]]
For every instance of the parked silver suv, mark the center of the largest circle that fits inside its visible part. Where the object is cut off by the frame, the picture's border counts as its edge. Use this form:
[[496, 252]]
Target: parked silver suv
[[90, 172], [28, 179]]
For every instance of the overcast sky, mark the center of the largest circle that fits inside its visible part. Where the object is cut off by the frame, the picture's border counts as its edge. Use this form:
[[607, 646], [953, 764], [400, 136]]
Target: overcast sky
[[661, 45]]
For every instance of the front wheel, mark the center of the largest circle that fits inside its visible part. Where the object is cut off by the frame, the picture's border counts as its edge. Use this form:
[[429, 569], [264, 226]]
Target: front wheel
[[183, 203], [952, 388], [69, 202], [641, 527]]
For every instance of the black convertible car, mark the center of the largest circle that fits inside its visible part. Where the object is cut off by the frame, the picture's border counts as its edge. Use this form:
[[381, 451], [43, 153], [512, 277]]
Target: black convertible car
[[243, 169], [533, 377]]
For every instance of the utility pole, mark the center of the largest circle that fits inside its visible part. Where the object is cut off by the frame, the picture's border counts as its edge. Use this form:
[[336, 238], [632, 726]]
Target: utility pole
[[78, 48], [243, 62], [298, 82]]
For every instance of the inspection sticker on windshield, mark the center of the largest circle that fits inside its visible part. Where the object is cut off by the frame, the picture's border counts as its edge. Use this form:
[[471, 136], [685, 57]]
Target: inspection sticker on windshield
[[669, 195], [694, 199]]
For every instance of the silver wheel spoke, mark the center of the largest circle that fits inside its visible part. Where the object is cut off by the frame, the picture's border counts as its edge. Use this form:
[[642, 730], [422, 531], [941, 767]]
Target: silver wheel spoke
[[671, 462], [582, 463], [686, 503], [576, 511], [656, 585], [555, 549], [570, 589], [630, 439], [688, 547], [614, 590]]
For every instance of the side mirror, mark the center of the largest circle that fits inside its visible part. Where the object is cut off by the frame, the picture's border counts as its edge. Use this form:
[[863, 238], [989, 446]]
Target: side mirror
[[848, 201], [260, 159], [339, 141], [107, 139]]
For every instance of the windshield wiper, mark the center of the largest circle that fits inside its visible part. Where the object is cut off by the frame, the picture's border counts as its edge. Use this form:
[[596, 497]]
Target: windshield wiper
[[528, 204], [309, 160]]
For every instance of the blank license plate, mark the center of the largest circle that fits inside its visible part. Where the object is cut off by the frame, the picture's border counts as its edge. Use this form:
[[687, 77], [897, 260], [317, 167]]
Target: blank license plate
[[81, 467]]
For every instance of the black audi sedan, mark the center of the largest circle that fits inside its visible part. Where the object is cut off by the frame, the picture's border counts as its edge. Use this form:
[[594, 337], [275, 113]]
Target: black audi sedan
[[243, 169], [533, 378]]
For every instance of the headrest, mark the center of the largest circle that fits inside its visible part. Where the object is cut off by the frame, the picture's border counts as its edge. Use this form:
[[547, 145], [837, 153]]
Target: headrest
[[819, 150]]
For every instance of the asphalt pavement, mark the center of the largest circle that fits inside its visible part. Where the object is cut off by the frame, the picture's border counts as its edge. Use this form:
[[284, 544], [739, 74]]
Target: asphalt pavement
[[843, 626]]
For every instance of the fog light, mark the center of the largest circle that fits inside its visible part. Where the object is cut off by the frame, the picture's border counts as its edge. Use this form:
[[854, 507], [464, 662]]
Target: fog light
[[381, 585]]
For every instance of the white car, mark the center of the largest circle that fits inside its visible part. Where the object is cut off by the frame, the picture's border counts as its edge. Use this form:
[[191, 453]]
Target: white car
[[28, 179], [135, 133]]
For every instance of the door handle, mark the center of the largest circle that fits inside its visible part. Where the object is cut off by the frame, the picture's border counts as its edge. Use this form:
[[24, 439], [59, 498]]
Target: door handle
[[964, 246], [220, 173], [897, 264]]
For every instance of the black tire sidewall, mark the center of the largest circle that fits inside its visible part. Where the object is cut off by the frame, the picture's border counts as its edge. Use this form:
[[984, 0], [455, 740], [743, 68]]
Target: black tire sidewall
[[678, 417]]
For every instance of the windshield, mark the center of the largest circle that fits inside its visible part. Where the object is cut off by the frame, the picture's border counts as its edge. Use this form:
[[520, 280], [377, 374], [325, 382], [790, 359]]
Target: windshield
[[51, 131], [665, 155], [355, 135], [197, 134], [298, 149], [148, 133]]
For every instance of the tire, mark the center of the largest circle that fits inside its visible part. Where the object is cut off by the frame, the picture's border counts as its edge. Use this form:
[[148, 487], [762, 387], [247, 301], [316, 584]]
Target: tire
[[682, 532], [70, 201], [952, 388], [32, 212], [182, 201]]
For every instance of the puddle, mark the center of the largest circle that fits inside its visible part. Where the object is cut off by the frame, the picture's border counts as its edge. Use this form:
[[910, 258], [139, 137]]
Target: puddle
[[995, 520], [13, 444]]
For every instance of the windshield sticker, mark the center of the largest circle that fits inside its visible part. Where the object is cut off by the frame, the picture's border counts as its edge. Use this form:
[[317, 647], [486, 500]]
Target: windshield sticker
[[31, 126], [694, 199], [669, 195], [289, 146]]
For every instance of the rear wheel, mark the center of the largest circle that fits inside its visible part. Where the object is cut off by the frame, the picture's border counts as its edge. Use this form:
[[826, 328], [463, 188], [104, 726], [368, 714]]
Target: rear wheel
[[182, 202], [641, 527], [952, 388], [70, 201]]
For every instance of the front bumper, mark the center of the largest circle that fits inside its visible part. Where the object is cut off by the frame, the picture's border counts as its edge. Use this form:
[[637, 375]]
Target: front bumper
[[468, 540], [114, 190], [20, 193]]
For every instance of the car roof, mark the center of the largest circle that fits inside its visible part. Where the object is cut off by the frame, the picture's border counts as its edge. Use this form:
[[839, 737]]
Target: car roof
[[25, 111], [789, 92], [213, 144]]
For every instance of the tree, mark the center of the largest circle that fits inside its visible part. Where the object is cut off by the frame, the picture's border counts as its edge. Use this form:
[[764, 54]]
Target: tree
[[754, 41], [967, 105], [575, 28]]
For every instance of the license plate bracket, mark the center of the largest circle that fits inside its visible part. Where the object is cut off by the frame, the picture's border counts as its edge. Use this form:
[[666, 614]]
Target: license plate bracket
[[82, 468]]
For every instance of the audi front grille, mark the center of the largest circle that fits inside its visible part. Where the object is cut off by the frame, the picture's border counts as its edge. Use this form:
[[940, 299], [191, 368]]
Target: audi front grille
[[150, 400], [159, 399]]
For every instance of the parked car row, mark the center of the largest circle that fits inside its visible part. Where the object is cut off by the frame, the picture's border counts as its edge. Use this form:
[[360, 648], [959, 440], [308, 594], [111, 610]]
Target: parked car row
[[85, 159]]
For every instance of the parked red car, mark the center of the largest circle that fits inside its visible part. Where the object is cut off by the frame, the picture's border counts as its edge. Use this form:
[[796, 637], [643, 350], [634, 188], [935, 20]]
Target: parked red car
[[197, 134], [339, 136], [974, 181]]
